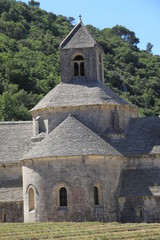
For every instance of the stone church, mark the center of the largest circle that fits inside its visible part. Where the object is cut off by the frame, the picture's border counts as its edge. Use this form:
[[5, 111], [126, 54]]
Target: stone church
[[86, 156]]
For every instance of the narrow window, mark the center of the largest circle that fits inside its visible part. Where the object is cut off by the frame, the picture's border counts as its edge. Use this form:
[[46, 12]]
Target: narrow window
[[76, 69], [140, 212], [31, 199], [96, 199], [63, 197], [4, 217], [82, 68], [78, 66]]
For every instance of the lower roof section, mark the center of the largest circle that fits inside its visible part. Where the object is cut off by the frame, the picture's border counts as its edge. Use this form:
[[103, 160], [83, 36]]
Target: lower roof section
[[71, 138], [140, 182], [14, 140], [14, 194]]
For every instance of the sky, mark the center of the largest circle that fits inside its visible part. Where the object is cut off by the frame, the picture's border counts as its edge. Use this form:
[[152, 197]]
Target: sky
[[139, 16]]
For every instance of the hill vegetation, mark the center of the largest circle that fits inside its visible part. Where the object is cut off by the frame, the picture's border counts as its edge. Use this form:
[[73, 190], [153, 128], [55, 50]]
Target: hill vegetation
[[79, 231], [29, 60]]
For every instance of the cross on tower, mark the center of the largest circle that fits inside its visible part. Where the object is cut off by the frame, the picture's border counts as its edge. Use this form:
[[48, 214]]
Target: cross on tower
[[80, 17]]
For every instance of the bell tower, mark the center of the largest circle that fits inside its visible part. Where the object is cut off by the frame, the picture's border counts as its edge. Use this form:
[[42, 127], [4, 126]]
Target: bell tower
[[81, 57]]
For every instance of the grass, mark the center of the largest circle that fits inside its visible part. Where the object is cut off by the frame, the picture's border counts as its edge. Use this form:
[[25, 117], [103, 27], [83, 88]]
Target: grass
[[79, 231]]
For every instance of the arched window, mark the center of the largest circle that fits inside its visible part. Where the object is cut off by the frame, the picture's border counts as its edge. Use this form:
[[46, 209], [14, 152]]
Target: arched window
[[96, 196], [31, 199], [78, 66], [63, 197]]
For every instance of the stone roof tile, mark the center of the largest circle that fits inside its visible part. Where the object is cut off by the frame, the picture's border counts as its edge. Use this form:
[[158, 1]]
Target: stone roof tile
[[14, 140], [71, 138], [79, 37], [14, 194], [143, 137], [79, 93], [140, 182]]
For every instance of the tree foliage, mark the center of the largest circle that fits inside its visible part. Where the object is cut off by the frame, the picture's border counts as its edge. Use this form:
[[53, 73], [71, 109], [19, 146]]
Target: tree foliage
[[29, 60]]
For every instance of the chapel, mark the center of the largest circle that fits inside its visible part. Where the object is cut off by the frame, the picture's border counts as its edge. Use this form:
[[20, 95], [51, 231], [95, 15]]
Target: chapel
[[86, 155]]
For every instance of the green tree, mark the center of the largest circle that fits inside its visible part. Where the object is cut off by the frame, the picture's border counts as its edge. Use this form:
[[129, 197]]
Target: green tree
[[125, 34], [29, 60]]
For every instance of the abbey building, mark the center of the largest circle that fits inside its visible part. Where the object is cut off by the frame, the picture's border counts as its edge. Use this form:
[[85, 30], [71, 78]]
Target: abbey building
[[86, 156]]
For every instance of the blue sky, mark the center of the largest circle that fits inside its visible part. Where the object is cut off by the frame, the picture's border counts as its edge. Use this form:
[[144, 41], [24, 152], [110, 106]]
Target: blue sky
[[140, 16]]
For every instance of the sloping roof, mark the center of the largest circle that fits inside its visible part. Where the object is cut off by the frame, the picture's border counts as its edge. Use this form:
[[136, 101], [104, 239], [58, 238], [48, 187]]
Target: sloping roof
[[71, 138], [10, 183], [79, 93], [143, 137], [14, 140], [140, 182], [79, 37], [13, 194]]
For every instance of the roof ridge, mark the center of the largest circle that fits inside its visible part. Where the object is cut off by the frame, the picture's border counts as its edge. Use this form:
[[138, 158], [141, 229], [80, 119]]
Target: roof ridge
[[70, 33], [145, 118], [76, 28], [71, 138], [14, 122]]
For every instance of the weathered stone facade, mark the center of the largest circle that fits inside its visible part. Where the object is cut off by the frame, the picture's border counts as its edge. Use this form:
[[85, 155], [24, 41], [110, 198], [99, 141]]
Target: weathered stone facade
[[89, 157], [78, 175]]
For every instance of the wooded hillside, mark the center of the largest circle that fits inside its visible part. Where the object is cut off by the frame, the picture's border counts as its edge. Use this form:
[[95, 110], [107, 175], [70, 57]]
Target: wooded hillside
[[29, 60]]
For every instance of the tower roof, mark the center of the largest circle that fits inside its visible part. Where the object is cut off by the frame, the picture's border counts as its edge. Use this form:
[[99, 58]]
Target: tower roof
[[79, 37], [71, 138]]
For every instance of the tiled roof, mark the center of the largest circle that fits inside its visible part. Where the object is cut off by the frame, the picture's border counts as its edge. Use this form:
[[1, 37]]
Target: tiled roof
[[13, 194], [140, 182], [79, 37], [79, 93], [14, 140], [143, 137], [71, 138]]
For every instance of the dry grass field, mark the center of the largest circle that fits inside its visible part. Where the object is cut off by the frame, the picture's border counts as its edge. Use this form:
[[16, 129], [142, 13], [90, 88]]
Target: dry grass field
[[79, 231]]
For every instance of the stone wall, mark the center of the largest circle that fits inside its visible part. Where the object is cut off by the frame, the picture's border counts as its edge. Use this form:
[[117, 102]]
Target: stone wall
[[130, 208], [98, 117], [142, 200], [11, 204], [10, 175], [11, 211], [90, 64], [78, 175]]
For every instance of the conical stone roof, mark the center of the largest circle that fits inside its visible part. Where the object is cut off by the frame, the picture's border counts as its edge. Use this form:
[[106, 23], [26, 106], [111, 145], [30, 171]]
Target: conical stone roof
[[71, 138], [78, 93]]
